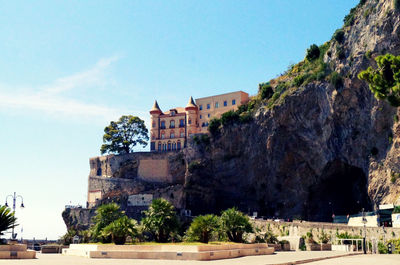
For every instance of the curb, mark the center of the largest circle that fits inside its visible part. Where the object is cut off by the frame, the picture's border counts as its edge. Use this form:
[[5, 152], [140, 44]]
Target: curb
[[314, 259]]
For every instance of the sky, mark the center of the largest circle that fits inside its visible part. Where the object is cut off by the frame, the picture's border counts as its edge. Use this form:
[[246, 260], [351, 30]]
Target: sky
[[68, 68]]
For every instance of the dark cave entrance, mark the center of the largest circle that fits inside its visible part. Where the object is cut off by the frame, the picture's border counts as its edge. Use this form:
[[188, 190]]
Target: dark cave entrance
[[342, 190]]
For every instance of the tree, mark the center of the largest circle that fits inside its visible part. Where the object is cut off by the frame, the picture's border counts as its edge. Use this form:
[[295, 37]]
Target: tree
[[105, 215], [7, 219], [122, 136], [120, 229], [384, 81], [312, 52], [202, 227], [160, 220], [235, 224]]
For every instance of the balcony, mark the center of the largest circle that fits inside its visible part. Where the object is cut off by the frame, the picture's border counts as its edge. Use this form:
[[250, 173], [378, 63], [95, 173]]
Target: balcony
[[162, 127], [172, 126]]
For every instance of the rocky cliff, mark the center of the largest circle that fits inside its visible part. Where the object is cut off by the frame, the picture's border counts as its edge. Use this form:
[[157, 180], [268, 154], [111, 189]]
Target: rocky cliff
[[322, 147], [318, 146]]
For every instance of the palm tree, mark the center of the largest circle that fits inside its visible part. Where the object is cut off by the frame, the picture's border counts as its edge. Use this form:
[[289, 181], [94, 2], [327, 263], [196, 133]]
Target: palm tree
[[235, 224], [105, 215], [7, 219], [120, 229], [160, 220], [202, 227]]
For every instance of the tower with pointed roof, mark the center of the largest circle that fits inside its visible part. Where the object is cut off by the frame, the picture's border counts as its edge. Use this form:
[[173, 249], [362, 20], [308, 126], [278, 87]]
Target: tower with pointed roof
[[191, 117]]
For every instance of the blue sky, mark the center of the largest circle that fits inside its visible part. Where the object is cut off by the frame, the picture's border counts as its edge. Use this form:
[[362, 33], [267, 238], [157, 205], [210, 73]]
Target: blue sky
[[69, 67]]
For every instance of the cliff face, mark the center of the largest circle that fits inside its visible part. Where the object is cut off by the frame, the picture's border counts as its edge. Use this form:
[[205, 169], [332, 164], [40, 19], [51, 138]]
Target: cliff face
[[322, 149]]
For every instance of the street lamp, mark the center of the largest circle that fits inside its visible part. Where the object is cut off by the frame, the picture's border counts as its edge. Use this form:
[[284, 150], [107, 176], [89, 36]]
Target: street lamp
[[365, 221], [14, 198]]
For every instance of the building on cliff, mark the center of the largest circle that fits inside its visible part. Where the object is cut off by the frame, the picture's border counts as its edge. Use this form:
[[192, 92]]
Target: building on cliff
[[171, 129]]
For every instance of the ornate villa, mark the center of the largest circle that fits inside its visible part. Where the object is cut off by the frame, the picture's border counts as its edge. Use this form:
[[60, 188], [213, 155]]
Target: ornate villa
[[171, 129]]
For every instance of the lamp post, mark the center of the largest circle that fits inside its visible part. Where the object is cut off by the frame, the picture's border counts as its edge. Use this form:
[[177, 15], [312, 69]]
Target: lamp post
[[364, 220], [14, 198]]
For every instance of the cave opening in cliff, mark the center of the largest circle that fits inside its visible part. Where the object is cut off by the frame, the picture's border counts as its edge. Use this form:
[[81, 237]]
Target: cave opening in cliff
[[341, 190]]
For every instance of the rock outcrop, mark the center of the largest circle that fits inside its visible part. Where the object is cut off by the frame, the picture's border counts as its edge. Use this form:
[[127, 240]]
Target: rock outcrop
[[323, 148]]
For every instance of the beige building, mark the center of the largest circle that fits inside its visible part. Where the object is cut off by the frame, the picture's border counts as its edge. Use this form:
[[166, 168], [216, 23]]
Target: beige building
[[170, 130]]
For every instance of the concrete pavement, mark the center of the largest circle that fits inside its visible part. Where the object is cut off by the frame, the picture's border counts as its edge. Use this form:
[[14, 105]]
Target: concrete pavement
[[279, 258]]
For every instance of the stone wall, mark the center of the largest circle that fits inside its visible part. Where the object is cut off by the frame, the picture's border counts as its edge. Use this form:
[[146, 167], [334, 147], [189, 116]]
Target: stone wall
[[301, 229]]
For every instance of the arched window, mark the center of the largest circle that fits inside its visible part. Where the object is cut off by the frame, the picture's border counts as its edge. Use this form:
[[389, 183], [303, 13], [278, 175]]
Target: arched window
[[172, 134], [172, 124], [159, 146], [162, 124], [182, 133], [164, 147], [173, 146], [190, 121], [162, 135], [179, 145], [169, 146], [154, 124]]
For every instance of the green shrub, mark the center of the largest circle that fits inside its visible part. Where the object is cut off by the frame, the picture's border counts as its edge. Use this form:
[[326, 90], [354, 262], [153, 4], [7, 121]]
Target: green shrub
[[213, 126], [350, 18], [384, 81], [313, 52], [234, 223], [201, 139], [202, 228], [336, 79], [298, 80], [105, 215], [265, 90], [339, 35], [160, 220], [120, 229], [382, 248], [396, 209], [229, 117], [368, 54]]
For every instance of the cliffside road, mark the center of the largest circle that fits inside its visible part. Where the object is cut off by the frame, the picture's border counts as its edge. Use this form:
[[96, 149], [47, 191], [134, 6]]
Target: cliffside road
[[279, 258]]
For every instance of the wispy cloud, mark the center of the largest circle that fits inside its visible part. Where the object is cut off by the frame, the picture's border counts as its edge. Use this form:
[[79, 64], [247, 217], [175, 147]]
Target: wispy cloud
[[51, 99]]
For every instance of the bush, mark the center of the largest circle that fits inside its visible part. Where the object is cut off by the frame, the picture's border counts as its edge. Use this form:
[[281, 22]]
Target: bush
[[339, 35], [336, 79], [265, 90], [194, 165], [350, 18], [382, 248], [368, 54], [105, 215], [270, 237], [213, 126], [312, 52], [202, 228], [229, 117], [201, 139], [324, 237], [298, 80], [396, 209], [160, 220], [120, 229], [235, 224]]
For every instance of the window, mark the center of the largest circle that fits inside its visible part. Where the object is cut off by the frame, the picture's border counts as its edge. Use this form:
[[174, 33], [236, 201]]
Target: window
[[233, 102], [169, 146], [181, 123], [208, 115], [172, 124], [179, 145], [152, 146], [173, 112], [159, 146], [201, 116], [162, 124], [153, 137], [162, 135], [182, 134], [208, 106], [172, 135], [190, 121], [153, 124], [225, 103], [216, 104], [201, 107]]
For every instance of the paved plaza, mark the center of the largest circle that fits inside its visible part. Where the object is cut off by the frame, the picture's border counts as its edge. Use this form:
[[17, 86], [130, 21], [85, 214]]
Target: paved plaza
[[278, 258]]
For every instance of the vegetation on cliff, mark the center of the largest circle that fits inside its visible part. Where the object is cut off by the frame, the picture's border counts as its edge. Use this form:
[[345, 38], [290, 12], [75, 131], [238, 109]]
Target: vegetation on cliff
[[122, 136], [384, 81]]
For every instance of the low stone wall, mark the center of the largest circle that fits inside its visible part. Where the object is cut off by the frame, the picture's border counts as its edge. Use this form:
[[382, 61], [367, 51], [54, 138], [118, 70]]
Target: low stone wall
[[169, 252], [17, 251], [294, 229]]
